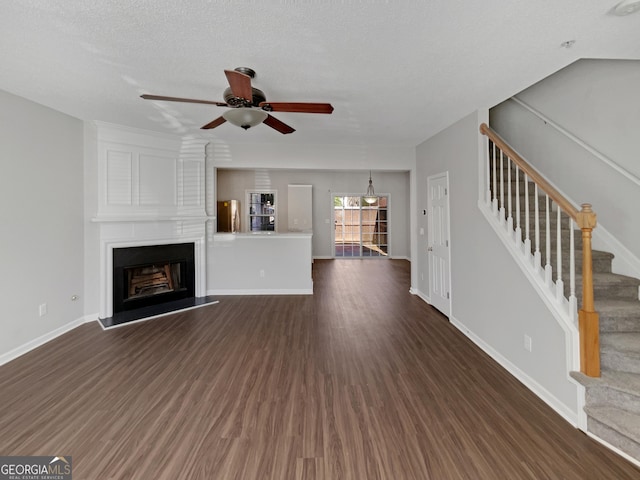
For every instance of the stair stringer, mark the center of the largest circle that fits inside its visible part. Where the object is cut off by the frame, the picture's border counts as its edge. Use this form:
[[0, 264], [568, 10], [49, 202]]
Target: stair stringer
[[562, 310]]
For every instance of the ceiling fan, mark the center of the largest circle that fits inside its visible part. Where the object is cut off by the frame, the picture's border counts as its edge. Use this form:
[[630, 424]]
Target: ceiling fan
[[248, 105]]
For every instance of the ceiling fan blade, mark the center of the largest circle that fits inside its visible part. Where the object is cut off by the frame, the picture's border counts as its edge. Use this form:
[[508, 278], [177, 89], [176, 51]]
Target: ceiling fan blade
[[297, 107], [185, 100], [278, 125], [215, 123], [240, 84]]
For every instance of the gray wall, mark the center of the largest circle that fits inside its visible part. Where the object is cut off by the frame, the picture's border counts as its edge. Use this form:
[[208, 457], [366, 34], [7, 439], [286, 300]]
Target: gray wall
[[232, 183], [41, 208], [491, 299], [597, 101]]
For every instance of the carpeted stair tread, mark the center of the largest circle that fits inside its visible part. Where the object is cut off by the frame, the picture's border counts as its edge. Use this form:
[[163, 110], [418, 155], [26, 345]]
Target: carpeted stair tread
[[622, 381], [624, 422], [606, 279], [619, 306], [627, 343], [618, 315]]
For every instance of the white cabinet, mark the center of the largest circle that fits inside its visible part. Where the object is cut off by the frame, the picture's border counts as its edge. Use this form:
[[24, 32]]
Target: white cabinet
[[300, 208]]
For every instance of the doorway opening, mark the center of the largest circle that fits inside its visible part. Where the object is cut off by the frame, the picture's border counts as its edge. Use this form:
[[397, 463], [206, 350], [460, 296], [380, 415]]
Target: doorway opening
[[360, 228]]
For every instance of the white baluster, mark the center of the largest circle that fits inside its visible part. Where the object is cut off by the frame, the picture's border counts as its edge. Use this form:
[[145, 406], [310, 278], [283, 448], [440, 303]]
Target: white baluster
[[502, 217], [548, 271], [509, 202], [487, 197], [537, 261], [494, 159], [518, 234], [573, 301], [527, 236], [559, 281]]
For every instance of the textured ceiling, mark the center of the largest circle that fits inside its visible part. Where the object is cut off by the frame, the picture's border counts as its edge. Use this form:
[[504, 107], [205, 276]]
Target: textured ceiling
[[396, 72]]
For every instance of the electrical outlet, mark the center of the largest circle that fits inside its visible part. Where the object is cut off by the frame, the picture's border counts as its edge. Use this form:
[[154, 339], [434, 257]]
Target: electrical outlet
[[527, 343], [42, 309], [261, 273]]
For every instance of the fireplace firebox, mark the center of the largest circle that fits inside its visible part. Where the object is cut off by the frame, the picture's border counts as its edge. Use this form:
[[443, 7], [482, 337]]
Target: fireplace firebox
[[152, 275]]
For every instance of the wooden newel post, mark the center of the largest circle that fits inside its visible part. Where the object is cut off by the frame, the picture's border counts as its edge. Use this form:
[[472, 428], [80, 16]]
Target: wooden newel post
[[588, 320]]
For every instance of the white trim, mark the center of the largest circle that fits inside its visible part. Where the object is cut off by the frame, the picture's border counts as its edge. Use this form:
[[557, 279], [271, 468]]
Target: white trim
[[323, 257], [624, 455], [156, 316], [544, 394], [600, 156], [560, 311], [42, 339], [261, 291], [426, 298]]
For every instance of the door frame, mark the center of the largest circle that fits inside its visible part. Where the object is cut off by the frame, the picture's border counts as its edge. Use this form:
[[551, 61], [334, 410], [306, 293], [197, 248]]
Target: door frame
[[430, 179]]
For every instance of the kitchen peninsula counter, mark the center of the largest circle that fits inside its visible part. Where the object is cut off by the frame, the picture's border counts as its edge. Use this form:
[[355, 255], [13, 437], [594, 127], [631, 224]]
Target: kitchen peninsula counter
[[260, 263]]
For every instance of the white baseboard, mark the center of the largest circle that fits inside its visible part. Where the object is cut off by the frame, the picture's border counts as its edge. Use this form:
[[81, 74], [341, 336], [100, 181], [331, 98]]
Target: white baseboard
[[565, 412], [624, 455], [323, 257], [423, 296], [42, 339], [274, 291]]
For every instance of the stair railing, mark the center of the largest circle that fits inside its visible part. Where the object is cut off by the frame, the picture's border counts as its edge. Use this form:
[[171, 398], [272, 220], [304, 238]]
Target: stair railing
[[505, 162]]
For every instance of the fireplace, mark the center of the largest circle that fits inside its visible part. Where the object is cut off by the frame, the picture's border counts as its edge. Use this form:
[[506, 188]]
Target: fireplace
[[152, 275]]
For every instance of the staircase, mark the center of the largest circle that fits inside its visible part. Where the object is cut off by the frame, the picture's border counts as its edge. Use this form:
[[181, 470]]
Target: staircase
[[612, 402]]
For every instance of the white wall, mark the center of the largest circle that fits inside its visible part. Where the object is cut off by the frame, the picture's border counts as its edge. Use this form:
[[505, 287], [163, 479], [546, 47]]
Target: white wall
[[232, 183], [597, 101], [314, 157], [41, 208], [492, 301]]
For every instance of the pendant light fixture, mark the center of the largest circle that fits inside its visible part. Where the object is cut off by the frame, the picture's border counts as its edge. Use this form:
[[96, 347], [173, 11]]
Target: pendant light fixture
[[370, 197]]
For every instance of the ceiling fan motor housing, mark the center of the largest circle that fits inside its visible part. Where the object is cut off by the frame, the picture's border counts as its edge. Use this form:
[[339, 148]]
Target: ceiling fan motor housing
[[258, 96]]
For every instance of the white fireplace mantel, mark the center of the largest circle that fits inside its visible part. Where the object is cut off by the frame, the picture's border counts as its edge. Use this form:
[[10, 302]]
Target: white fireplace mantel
[[151, 191], [126, 235]]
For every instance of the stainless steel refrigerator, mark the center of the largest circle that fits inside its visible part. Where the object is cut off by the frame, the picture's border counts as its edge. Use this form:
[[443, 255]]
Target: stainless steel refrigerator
[[229, 216]]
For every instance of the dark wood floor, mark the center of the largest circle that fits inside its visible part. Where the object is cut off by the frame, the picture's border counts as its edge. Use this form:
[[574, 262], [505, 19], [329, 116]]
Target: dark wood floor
[[360, 381]]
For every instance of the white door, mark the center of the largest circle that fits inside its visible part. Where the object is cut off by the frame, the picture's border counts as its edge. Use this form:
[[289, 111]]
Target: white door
[[438, 242]]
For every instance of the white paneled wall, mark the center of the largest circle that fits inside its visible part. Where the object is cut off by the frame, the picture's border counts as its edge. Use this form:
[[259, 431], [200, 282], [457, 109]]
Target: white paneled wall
[[147, 175]]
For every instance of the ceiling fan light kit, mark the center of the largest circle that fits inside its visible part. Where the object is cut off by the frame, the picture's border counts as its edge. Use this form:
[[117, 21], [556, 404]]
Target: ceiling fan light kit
[[245, 117], [248, 105]]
